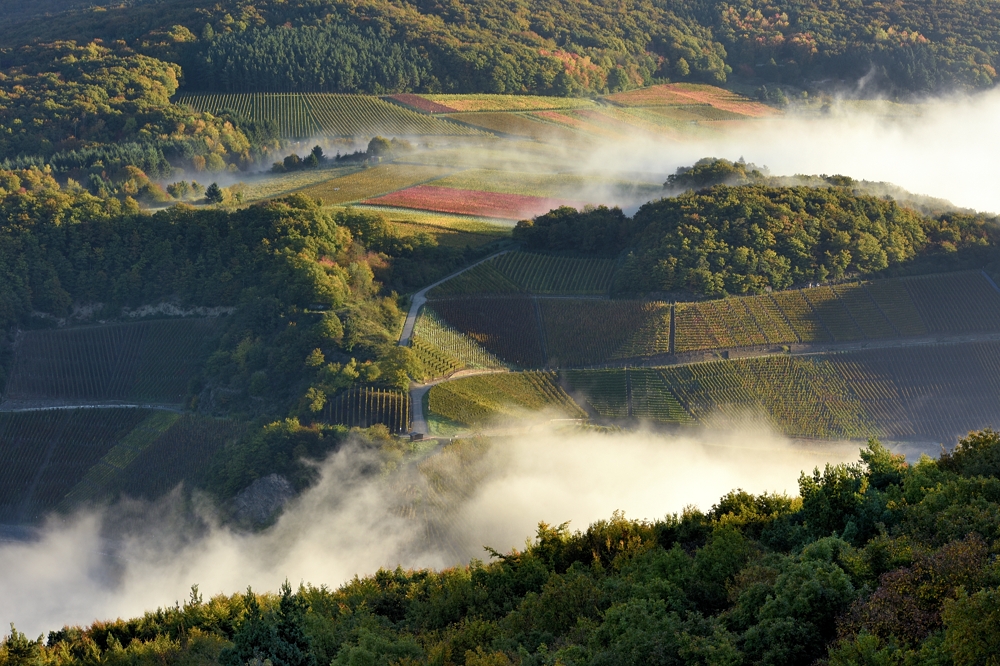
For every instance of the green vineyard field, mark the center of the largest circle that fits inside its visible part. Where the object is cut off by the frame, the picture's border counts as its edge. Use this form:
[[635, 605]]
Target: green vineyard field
[[925, 394], [372, 182], [499, 397], [442, 350], [365, 407], [60, 459], [148, 362], [580, 332], [604, 392], [301, 116], [533, 273], [506, 326], [287, 110], [955, 303], [44, 453]]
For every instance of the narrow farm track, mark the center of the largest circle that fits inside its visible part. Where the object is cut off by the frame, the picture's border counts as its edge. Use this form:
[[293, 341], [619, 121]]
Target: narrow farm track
[[800, 349], [420, 297], [418, 422]]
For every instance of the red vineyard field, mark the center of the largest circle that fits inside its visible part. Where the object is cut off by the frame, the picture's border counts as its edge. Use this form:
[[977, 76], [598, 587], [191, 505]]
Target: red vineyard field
[[470, 202]]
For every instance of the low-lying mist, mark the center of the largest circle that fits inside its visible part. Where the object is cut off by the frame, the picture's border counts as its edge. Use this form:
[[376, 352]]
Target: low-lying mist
[[946, 148], [436, 512]]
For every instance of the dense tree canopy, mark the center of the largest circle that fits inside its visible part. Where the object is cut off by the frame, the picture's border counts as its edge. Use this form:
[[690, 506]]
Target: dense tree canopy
[[560, 47], [750, 238], [879, 562], [311, 314], [93, 109]]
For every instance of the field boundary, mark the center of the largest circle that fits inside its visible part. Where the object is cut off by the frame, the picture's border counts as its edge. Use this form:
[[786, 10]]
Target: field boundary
[[420, 297]]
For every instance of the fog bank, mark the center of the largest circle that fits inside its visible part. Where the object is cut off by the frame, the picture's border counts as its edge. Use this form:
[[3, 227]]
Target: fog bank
[[944, 147], [352, 523]]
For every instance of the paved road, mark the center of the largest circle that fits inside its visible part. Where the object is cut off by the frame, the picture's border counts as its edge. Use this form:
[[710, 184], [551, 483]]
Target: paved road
[[420, 298], [418, 421]]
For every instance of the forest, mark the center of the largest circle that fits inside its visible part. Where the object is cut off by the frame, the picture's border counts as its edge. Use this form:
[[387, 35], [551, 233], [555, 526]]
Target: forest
[[314, 292], [559, 48], [877, 562], [750, 238]]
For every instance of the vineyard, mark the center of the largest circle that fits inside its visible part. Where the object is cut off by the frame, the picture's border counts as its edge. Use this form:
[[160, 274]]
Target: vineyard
[[365, 407], [534, 273], [500, 397], [918, 394], [506, 326], [948, 304], [688, 94], [799, 397], [45, 453], [586, 332], [288, 111], [61, 459], [580, 332], [150, 362], [182, 453], [301, 116], [443, 351], [486, 102], [956, 303], [519, 125], [519, 182], [372, 182], [470, 202]]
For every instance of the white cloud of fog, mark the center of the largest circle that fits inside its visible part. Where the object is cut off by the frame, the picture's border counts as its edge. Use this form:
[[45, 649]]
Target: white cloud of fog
[[947, 149], [352, 524]]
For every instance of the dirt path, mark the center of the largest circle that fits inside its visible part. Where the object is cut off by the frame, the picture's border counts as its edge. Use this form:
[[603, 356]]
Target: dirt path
[[420, 298]]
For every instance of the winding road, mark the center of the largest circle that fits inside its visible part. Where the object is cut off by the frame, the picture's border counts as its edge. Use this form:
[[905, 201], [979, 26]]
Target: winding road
[[420, 298], [418, 422]]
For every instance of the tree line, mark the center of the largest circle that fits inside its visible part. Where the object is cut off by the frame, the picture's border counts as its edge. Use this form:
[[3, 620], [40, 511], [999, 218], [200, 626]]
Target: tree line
[[876, 562], [315, 292], [747, 239], [543, 47]]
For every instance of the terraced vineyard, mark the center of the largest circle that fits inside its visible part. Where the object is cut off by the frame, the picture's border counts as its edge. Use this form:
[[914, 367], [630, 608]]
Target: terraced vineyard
[[948, 304], [582, 332], [800, 397], [534, 273], [955, 303], [149, 362], [929, 393], [542, 274], [485, 399], [604, 392], [361, 115], [442, 350], [301, 116], [482, 279], [287, 110], [45, 453], [506, 326], [60, 459], [182, 453], [365, 407]]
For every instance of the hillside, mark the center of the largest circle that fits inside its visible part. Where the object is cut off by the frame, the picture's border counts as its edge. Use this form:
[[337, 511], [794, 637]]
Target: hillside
[[560, 48], [879, 561]]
